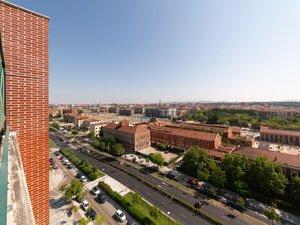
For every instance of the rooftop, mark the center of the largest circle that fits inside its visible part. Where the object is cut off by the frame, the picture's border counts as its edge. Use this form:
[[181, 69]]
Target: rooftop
[[185, 133], [283, 159], [266, 129]]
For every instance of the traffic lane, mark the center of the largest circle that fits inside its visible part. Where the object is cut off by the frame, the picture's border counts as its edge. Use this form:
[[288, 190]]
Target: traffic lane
[[166, 204], [187, 197]]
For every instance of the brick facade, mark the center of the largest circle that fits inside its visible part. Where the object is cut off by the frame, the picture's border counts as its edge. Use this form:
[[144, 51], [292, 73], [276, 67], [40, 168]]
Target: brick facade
[[184, 139], [25, 44], [133, 137]]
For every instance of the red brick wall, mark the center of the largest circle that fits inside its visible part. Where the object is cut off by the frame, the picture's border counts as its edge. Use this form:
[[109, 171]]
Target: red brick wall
[[25, 44]]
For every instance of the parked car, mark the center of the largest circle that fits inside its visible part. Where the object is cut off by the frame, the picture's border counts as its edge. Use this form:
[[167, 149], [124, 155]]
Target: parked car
[[131, 223], [62, 158], [85, 205], [95, 190], [51, 160], [101, 197], [230, 216], [70, 166], [81, 177], [91, 213], [57, 153], [120, 215], [55, 166]]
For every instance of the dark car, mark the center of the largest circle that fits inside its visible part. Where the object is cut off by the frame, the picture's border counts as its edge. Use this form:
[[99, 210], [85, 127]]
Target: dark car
[[51, 160], [91, 213], [101, 197], [62, 157], [56, 153], [230, 216]]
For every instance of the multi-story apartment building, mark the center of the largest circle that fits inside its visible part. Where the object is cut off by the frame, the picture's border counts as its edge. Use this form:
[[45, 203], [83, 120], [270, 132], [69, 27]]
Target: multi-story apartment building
[[25, 50], [126, 112], [280, 136], [184, 139], [133, 137]]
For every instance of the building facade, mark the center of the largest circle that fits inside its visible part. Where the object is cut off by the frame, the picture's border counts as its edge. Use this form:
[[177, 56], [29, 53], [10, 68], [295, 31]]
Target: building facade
[[280, 136], [184, 139], [126, 112], [25, 47], [133, 137]]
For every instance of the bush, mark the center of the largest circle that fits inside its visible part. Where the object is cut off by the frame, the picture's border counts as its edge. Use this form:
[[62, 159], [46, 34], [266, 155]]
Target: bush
[[91, 172]]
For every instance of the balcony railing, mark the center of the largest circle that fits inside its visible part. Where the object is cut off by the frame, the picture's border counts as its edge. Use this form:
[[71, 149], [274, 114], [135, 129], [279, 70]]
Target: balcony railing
[[3, 177]]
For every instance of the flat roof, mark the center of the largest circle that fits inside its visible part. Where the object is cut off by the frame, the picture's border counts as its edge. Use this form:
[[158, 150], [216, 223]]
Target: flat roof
[[24, 9]]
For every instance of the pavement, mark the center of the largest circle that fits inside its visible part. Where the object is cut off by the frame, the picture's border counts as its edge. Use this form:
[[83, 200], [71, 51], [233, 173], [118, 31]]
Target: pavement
[[178, 212]]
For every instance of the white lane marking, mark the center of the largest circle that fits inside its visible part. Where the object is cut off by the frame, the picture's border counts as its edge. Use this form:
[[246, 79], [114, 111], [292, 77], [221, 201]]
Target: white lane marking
[[182, 215]]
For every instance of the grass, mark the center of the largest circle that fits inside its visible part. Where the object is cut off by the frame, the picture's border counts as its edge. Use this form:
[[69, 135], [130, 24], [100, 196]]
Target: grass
[[144, 207]]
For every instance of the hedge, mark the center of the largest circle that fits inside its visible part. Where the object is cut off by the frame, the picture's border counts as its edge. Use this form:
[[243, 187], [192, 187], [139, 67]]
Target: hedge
[[91, 172]]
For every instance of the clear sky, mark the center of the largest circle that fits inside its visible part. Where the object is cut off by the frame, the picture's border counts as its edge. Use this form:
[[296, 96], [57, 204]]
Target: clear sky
[[172, 50]]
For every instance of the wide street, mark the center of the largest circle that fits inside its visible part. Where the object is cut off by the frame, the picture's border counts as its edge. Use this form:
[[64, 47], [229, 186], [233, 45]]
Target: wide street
[[167, 205]]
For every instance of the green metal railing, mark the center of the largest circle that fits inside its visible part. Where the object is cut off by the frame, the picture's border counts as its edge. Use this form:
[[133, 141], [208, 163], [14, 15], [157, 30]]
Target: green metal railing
[[4, 143], [3, 178], [2, 88]]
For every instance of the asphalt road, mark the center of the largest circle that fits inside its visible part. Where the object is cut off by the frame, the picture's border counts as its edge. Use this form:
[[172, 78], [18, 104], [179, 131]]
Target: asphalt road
[[177, 211]]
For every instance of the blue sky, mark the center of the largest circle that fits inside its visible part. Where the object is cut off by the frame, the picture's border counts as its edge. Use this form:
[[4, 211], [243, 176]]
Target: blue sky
[[145, 51]]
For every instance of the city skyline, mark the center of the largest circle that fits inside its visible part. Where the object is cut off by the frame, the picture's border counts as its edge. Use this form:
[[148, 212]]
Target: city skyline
[[233, 51]]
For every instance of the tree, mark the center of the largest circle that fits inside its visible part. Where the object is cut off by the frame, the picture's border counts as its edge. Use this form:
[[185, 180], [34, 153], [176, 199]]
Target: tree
[[92, 135], [236, 167], [117, 149], [157, 158], [266, 178], [213, 118], [197, 163], [154, 212], [295, 186], [135, 199], [74, 132], [100, 219], [75, 189], [217, 177], [272, 215], [84, 221], [55, 125]]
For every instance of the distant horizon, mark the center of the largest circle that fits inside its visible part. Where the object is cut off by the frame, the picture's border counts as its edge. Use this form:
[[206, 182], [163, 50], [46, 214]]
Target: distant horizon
[[173, 102]]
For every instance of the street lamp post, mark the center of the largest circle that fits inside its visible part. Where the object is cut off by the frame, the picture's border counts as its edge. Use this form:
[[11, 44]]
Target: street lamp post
[[168, 213]]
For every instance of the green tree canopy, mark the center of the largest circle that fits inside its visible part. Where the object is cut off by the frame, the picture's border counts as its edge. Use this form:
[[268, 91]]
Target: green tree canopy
[[75, 189], [157, 158], [197, 163], [295, 185], [236, 167], [266, 178], [117, 149]]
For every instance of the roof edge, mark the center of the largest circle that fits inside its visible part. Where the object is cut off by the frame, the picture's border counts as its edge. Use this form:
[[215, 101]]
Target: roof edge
[[24, 9]]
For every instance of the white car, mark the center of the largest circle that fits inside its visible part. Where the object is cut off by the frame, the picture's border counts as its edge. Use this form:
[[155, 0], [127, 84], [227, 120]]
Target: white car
[[85, 205], [95, 190], [120, 215], [83, 178]]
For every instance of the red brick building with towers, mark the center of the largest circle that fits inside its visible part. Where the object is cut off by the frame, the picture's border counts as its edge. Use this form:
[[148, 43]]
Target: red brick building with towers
[[25, 46]]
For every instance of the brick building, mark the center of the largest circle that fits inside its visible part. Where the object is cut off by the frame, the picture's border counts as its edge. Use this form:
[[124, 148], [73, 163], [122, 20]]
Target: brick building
[[280, 136], [184, 138], [290, 163], [133, 137], [25, 46], [208, 128]]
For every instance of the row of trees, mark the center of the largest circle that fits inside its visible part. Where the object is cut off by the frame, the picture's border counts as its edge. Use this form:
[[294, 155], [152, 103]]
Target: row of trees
[[260, 178], [241, 118], [108, 145]]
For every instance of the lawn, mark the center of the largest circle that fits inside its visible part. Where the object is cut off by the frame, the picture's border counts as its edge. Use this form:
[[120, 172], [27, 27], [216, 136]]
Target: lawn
[[143, 207]]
